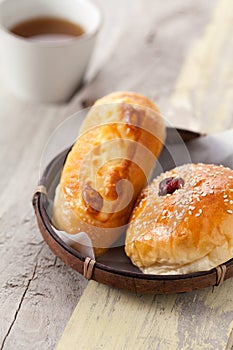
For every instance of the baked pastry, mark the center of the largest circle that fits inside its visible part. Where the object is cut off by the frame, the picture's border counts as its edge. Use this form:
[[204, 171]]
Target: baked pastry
[[183, 222], [110, 163]]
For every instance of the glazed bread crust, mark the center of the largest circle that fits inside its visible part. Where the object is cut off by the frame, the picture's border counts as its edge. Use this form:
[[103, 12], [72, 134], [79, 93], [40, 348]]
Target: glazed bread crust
[[110, 163], [185, 231]]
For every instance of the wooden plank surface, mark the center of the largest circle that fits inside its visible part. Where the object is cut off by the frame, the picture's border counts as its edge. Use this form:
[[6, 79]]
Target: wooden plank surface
[[34, 284], [205, 83], [141, 47], [112, 319]]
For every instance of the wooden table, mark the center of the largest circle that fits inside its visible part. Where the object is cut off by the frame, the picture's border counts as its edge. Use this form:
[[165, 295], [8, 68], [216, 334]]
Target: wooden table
[[179, 53]]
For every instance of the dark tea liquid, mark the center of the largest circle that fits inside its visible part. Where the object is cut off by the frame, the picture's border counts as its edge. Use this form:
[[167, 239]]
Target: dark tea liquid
[[47, 29]]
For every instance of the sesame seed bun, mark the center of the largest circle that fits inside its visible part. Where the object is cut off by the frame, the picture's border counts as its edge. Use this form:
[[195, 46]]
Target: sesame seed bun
[[188, 230]]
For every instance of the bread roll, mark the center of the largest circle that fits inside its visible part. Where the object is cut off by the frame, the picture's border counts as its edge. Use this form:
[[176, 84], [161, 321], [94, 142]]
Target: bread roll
[[183, 222], [110, 163]]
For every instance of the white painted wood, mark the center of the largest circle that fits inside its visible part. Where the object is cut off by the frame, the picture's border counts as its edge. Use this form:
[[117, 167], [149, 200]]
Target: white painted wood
[[34, 285], [141, 47]]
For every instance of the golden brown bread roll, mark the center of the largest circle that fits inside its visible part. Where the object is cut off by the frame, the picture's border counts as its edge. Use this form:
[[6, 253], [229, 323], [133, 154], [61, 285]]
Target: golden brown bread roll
[[108, 166], [183, 222]]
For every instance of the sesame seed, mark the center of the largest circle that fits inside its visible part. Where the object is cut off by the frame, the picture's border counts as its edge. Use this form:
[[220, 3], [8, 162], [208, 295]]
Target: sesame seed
[[225, 196], [211, 191], [191, 207], [203, 194], [190, 213], [198, 214], [226, 200], [230, 177], [147, 237], [231, 201], [198, 199], [200, 211], [230, 211]]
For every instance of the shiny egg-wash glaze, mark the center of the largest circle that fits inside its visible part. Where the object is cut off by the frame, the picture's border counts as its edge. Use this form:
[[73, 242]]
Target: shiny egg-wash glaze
[[188, 230], [120, 141]]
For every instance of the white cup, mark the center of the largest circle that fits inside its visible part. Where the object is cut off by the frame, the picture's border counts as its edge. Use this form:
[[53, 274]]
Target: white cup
[[46, 71]]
